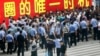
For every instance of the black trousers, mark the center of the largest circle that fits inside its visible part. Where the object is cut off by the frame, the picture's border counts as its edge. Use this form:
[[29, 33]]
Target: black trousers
[[84, 34], [66, 39], [2, 45], [10, 47], [15, 46], [73, 39], [26, 44], [34, 53], [44, 43], [98, 34], [78, 35], [58, 51], [58, 36], [95, 33], [20, 50]]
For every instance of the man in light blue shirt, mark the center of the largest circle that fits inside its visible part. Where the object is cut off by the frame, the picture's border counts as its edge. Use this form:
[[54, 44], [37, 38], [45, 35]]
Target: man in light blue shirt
[[33, 32], [9, 39], [84, 26], [2, 40], [72, 31], [94, 24], [77, 26], [15, 39], [42, 33], [24, 33]]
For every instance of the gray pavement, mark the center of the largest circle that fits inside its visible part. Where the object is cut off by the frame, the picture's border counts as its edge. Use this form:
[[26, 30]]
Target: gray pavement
[[90, 48]]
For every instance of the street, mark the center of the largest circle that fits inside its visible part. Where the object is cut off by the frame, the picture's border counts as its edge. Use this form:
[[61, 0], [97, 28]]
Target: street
[[90, 48]]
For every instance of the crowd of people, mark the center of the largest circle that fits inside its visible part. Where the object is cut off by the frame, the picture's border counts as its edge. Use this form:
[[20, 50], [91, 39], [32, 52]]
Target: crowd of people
[[52, 30]]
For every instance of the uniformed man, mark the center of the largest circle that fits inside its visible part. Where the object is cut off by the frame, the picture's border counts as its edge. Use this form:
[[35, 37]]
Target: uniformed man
[[33, 32], [77, 26], [94, 24], [2, 39], [15, 39], [42, 33], [10, 40], [24, 33], [72, 31], [83, 25]]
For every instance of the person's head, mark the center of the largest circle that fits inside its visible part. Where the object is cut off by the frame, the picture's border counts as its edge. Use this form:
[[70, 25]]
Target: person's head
[[33, 26], [23, 28], [18, 29], [20, 32], [64, 23], [9, 32]]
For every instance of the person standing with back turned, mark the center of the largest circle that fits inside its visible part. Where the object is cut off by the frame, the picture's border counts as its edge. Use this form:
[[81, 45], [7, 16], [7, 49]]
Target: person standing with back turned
[[20, 42]]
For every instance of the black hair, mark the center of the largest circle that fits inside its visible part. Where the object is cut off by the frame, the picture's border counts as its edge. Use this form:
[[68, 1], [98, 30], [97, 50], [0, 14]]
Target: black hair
[[9, 32]]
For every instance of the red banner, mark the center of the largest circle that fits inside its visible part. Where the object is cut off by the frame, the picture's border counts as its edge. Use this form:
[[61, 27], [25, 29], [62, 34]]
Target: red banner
[[16, 8]]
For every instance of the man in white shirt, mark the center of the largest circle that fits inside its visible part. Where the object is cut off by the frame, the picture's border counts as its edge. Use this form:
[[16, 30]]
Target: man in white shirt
[[58, 30], [52, 31]]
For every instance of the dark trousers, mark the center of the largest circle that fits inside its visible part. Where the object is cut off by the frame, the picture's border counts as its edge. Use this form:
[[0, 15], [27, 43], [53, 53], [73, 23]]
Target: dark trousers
[[95, 33], [34, 53], [98, 34], [50, 52], [10, 47], [84, 34], [43, 42], [2, 45], [78, 35], [58, 36], [73, 39], [15, 46], [66, 39], [58, 51], [51, 37], [62, 54], [20, 50], [26, 44]]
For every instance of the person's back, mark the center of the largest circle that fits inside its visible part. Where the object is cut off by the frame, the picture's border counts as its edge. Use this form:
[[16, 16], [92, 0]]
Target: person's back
[[20, 40]]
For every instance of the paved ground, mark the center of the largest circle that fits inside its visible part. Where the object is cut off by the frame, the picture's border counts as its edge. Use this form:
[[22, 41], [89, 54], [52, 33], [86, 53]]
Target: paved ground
[[90, 48]]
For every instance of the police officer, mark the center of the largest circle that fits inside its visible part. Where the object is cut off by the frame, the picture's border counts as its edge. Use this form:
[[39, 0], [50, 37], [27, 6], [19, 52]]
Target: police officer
[[83, 25], [9, 39], [2, 39], [33, 32], [72, 31], [77, 26], [94, 24], [42, 33], [24, 33], [15, 39]]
